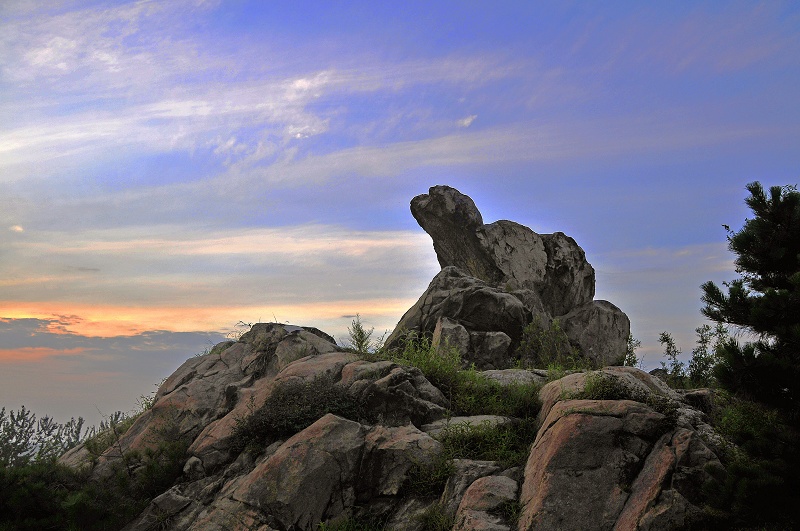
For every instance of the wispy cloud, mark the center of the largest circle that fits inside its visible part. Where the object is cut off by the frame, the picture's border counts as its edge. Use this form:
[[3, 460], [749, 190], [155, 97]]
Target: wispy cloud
[[139, 276]]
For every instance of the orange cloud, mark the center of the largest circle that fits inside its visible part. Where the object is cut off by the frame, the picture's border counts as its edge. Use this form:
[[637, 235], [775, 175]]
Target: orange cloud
[[35, 354], [115, 320]]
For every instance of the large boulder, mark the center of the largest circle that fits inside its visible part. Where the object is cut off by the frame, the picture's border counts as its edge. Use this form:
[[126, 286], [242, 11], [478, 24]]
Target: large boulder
[[599, 330], [616, 463], [498, 277], [466, 300], [482, 502], [505, 253]]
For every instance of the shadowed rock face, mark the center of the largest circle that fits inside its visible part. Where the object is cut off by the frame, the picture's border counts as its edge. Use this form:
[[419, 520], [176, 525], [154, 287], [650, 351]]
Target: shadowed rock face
[[484, 265]]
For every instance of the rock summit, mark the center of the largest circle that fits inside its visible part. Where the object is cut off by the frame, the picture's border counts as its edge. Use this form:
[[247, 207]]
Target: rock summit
[[497, 278]]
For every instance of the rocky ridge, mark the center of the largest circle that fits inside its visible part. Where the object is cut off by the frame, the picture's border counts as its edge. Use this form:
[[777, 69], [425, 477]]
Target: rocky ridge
[[613, 448]]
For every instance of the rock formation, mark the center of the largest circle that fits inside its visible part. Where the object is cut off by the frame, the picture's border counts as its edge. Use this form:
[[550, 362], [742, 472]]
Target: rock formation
[[594, 464], [633, 459], [499, 277]]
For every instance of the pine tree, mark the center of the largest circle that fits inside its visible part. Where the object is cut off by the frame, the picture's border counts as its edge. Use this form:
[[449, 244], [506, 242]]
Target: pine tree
[[764, 301]]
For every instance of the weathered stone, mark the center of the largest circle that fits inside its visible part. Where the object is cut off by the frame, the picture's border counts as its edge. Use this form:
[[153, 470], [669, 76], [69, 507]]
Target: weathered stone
[[599, 329], [517, 376], [193, 468], [517, 251], [404, 395], [482, 265], [585, 454], [408, 516], [300, 344], [467, 300], [504, 253], [389, 454], [570, 278], [452, 219], [485, 495], [466, 472], [311, 476], [450, 334], [361, 370], [702, 399], [489, 350], [638, 381], [311, 367], [670, 480]]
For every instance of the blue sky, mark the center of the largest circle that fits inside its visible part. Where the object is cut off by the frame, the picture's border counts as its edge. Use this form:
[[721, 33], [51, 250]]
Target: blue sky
[[168, 169]]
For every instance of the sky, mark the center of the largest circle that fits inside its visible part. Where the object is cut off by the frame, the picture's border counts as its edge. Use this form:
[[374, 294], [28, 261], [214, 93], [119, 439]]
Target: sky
[[171, 169]]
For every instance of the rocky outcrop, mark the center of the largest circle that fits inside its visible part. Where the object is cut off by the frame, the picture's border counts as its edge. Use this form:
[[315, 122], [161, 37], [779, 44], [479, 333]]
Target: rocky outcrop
[[365, 439], [616, 463], [498, 277]]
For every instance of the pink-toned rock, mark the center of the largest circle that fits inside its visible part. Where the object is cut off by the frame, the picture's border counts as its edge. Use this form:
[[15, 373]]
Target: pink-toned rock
[[584, 456], [310, 478], [614, 464], [311, 367], [635, 379], [404, 395], [485, 495], [389, 454], [466, 472]]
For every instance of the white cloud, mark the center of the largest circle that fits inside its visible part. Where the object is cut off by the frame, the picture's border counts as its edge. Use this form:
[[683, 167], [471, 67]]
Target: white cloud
[[466, 122], [16, 228]]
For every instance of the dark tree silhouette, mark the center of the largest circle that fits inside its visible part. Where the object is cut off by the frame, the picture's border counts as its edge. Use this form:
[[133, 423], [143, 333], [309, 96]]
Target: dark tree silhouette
[[764, 301]]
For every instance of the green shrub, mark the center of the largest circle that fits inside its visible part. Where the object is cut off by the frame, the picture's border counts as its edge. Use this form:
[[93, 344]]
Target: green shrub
[[436, 519], [476, 394], [470, 392], [602, 386], [675, 369], [428, 479], [762, 472], [360, 340], [545, 343], [293, 406], [51, 496], [629, 358], [25, 440], [507, 444], [441, 366]]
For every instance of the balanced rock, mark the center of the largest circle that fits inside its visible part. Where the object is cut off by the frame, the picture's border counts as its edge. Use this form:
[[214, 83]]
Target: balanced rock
[[505, 253], [496, 278]]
